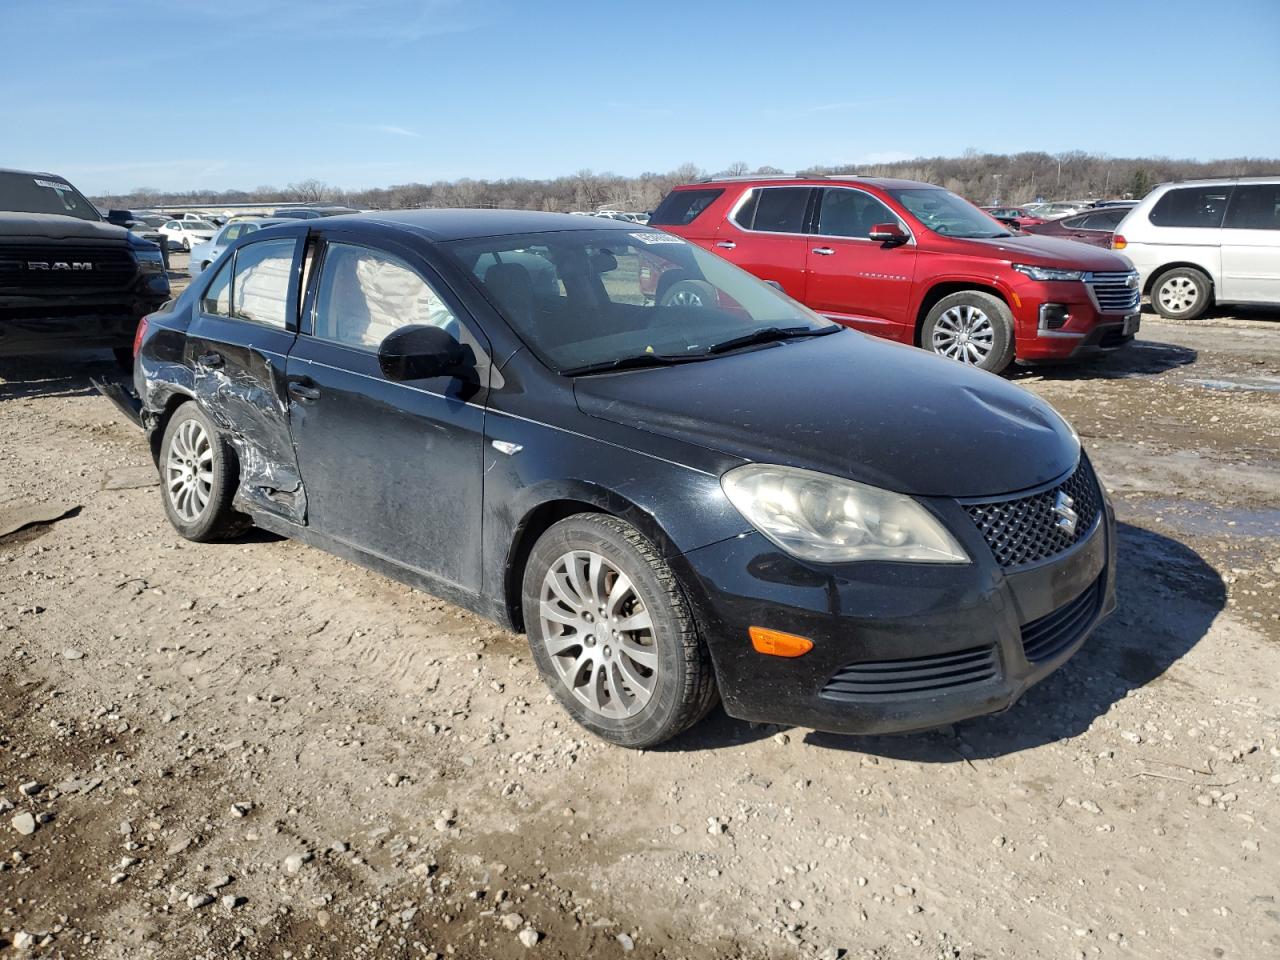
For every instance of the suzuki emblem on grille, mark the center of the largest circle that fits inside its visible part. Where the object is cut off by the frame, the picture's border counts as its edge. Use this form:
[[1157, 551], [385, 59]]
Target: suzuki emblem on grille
[[1067, 517], [59, 265]]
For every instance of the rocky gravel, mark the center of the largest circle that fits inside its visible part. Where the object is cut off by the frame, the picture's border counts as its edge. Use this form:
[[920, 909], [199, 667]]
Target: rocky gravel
[[255, 749]]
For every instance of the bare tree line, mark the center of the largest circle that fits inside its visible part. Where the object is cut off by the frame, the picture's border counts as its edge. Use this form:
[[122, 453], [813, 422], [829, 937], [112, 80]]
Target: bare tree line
[[982, 177]]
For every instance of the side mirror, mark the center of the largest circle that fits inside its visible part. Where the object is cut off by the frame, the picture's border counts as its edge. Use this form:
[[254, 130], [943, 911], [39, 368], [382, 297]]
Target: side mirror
[[424, 352], [889, 233]]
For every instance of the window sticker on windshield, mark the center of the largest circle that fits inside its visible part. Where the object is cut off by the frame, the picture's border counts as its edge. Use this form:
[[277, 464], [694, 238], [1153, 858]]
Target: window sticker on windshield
[[656, 237], [52, 185]]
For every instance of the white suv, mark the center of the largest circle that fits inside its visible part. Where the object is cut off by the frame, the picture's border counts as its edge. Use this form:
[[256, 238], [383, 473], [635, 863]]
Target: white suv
[[1201, 242]]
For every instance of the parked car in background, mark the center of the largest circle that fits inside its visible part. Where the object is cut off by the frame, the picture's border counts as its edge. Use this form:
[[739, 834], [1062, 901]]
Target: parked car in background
[[184, 234], [203, 254], [67, 278], [1051, 211], [1016, 217], [675, 502], [910, 262], [1094, 226], [312, 213], [1202, 242]]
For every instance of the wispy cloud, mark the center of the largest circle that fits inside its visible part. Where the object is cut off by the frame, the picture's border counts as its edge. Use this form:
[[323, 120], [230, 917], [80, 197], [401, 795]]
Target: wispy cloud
[[393, 130], [841, 106]]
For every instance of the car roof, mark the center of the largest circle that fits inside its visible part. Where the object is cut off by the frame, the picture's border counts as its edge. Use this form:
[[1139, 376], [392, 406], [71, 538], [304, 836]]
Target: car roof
[[469, 224], [884, 183], [1217, 181]]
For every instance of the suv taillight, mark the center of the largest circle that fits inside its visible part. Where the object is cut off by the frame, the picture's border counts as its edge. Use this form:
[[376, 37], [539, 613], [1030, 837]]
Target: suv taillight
[[137, 337], [1118, 242]]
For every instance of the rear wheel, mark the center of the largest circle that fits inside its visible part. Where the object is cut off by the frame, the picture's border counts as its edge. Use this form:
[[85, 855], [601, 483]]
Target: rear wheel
[[971, 327], [612, 634], [198, 478], [186, 244], [689, 293], [1183, 293]]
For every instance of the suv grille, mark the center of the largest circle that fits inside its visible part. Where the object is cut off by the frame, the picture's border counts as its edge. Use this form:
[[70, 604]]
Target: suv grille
[[1045, 638], [941, 673], [1027, 530], [1113, 292], [107, 267]]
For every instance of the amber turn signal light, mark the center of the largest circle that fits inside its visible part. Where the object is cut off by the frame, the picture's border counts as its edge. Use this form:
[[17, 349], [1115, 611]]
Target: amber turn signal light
[[775, 643]]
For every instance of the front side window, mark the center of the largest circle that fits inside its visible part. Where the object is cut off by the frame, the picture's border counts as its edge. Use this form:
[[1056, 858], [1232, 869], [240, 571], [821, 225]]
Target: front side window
[[845, 212], [260, 286], [774, 210], [586, 299], [366, 294], [1255, 206], [947, 214], [682, 207], [1191, 207]]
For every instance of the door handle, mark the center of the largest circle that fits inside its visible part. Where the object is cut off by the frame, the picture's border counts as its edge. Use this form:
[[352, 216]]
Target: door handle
[[303, 392], [725, 244], [823, 251], [210, 360]]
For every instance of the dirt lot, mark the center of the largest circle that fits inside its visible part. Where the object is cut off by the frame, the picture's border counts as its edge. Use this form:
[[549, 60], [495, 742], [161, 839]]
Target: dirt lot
[[257, 750]]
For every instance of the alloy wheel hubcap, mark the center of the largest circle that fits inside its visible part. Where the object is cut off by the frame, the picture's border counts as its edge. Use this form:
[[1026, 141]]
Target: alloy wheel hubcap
[[1178, 294], [686, 298], [964, 333], [189, 471], [598, 634]]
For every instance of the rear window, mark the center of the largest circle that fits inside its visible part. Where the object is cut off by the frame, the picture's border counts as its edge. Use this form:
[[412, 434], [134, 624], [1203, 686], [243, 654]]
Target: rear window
[[1191, 207], [682, 207]]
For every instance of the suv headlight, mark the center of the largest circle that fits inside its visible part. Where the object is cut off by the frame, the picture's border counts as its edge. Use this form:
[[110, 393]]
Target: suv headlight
[[818, 517], [149, 260], [1047, 273]]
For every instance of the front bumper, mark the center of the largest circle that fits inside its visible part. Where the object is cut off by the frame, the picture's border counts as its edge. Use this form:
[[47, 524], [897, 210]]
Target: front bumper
[[1088, 330], [74, 321], [897, 646]]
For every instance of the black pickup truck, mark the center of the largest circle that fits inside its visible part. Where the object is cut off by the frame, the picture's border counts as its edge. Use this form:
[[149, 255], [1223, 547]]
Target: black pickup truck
[[68, 279]]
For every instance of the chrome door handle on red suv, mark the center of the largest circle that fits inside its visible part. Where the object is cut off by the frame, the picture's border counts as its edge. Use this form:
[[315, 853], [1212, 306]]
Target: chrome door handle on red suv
[[725, 244], [823, 251]]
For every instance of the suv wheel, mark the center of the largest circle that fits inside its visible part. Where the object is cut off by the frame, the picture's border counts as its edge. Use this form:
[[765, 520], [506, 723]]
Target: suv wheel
[[198, 478], [186, 244], [611, 632], [970, 327], [689, 293], [1183, 293]]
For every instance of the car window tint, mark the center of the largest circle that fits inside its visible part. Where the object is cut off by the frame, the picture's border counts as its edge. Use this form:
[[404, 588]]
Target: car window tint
[[217, 296], [1074, 223], [365, 295], [745, 215], [229, 233], [1191, 207], [851, 213], [779, 210], [261, 289], [682, 207], [1255, 206]]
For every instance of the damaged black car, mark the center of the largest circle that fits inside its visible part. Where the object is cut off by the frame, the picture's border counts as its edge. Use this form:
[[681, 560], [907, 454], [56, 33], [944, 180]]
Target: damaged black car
[[681, 484]]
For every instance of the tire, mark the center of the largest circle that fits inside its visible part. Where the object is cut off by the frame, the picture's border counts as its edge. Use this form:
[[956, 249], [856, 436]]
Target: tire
[[186, 244], [633, 687], [1183, 293], [970, 327], [199, 509], [689, 293]]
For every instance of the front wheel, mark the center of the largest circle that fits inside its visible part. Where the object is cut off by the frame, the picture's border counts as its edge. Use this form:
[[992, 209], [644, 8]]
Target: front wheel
[[1183, 293], [612, 634], [198, 478], [971, 327]]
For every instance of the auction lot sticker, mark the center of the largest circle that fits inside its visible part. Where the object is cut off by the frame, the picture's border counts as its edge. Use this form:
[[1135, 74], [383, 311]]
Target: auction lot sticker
[[656, 237]]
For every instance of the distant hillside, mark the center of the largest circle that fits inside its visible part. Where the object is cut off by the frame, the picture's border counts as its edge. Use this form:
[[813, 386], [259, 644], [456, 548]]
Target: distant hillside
[[982, 177]]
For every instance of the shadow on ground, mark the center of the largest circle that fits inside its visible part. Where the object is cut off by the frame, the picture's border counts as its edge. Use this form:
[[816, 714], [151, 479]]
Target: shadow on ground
[[60, 375], [1141, 358], [1169, 596]]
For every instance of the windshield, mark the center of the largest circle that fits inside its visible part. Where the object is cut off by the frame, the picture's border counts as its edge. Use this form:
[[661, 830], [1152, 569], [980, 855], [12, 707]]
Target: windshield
[[945, 213], [585, 299], [26, 193]]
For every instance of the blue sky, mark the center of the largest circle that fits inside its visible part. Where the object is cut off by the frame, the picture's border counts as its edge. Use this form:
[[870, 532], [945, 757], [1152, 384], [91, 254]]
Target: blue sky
[[117, 94]]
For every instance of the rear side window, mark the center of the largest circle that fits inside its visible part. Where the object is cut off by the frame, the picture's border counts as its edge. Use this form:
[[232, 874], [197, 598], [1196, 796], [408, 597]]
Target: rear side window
[[217, 296], [1255, 206], [682, 207], [1191, 207], [774, 210], [260, 289]]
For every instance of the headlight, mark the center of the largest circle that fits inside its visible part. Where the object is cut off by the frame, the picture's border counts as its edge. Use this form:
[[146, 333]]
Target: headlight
[[818, 517], [149, 261], [1048, 273]]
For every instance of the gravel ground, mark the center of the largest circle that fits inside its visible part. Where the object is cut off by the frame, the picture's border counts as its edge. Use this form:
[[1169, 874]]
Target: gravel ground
[[258, 750]]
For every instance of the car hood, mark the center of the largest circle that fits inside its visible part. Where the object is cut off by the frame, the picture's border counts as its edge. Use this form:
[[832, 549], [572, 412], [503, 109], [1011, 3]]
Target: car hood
[[51, 226], [1048, 251], [853, 406]]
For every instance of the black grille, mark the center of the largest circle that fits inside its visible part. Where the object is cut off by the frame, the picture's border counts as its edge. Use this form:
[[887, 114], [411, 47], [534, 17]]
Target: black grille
[[1028, 529], [942, 673], [58, 266], [1047, 637]]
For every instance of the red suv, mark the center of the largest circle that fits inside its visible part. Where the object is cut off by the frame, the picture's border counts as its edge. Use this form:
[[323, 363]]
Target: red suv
[[910, 262]]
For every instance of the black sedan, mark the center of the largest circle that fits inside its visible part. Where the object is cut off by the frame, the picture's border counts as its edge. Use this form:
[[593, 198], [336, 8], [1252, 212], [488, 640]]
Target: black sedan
[[675, 497]]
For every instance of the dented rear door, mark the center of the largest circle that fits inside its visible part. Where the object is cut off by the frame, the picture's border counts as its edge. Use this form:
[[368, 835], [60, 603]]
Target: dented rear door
[[237, 344]]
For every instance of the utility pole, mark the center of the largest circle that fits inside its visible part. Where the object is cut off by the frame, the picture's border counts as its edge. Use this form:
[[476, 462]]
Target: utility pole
[[996, 200], [1059, 186]]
